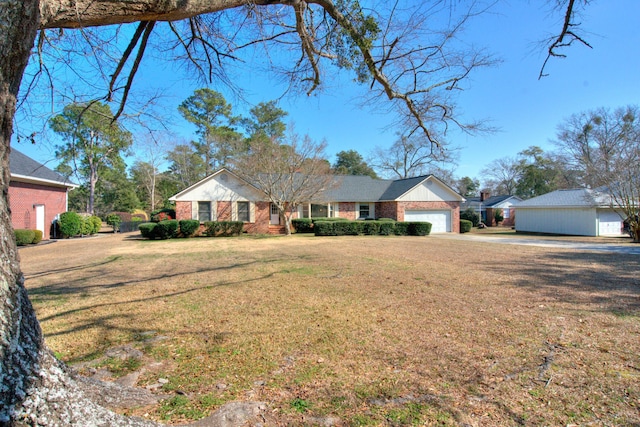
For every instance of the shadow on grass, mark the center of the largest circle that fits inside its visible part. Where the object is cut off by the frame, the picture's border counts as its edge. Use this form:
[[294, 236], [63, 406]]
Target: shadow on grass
[[606, 282]]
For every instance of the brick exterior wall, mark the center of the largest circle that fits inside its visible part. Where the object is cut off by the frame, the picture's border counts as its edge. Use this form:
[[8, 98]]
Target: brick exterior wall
[[183, 210], [387, 210], [223, 211], [262, 217], [22, 198], [347, 210]]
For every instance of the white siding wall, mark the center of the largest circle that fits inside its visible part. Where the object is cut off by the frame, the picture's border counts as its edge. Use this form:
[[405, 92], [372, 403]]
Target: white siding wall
[[430, 191], [221, 187], [573, 221]]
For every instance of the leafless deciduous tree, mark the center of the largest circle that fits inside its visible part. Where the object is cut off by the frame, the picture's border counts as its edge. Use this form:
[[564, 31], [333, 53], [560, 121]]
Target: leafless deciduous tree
[[288, 173], [34, 387], [603, 148], [409, 157], [502, 175]]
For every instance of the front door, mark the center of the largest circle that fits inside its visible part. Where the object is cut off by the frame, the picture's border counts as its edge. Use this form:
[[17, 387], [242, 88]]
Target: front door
[[275, 215], [40, 219]]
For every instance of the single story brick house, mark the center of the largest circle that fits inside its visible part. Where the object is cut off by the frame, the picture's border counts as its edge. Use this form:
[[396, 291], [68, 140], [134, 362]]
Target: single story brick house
[[36, 194], [224, 196], [486, 206], [580, 212]]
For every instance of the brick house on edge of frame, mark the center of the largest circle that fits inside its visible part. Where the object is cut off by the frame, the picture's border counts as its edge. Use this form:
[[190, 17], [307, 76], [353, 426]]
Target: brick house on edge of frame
[[37, 195]]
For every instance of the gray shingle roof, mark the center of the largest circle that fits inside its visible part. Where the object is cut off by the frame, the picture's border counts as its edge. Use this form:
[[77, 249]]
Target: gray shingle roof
[[349, 188], [579, 197], [488, 203], [20, 164]]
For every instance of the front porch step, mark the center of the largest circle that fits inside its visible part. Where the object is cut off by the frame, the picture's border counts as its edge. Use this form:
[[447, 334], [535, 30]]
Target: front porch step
[[277, 229]]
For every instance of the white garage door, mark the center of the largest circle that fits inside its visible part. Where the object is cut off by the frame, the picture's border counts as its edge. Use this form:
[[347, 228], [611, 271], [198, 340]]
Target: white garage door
[[440, 220], [609, 223]]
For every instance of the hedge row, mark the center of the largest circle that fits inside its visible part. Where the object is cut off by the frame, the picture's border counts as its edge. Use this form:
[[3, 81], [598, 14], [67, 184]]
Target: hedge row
[[305, 225], [371, 228], [172, 228], [223, 228], [27, 237]]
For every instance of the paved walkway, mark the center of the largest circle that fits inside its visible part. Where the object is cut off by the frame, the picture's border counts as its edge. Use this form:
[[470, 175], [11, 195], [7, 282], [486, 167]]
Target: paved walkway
[[627, 248]]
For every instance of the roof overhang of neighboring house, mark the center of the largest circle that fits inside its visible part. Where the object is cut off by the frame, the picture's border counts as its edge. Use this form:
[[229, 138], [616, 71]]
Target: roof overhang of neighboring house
[[40, 181]]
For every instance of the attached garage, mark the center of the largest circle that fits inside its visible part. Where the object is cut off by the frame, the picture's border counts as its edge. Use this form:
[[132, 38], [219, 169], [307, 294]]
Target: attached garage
[[579, 212], [440, 219]]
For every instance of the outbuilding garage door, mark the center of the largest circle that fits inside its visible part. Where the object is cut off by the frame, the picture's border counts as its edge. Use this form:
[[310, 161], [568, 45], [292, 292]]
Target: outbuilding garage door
[[440, 220], [609, 223]]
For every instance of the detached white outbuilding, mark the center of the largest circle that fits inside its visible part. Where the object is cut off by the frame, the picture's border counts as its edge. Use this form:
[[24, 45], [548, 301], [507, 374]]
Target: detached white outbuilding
[[579, 212]]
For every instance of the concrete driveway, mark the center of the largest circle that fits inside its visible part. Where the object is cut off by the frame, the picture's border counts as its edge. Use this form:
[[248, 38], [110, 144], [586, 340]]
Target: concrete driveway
[[565, 243]]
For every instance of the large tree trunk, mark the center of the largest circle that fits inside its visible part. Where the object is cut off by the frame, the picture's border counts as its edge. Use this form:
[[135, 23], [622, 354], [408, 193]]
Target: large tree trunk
[[35, 389]]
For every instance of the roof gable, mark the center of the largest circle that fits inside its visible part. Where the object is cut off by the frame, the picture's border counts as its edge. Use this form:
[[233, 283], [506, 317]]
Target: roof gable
[[24, 168], [221, 185], [421, 188]]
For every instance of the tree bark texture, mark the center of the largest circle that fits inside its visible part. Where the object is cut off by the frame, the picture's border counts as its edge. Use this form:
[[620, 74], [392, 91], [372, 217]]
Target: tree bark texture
[[88, 13], [35, 388]]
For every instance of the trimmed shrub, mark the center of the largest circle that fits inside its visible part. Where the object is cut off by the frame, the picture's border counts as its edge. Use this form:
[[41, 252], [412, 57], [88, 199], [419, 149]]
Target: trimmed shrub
[[419, 228], [147, 229], [402, 228], [371, 228], [324, 228], [70, 224], [24, 237], [465, 226], [87, 227], [347, 228], [114, 221], [387, 228], [37, 237], [189, 227], [470, 215], [386, 219], [166, 229], [223, 228], [96, 223], [302, 225]]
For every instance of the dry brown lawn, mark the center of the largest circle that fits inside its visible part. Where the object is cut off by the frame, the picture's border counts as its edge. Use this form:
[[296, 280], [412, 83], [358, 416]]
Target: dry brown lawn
[[352, 330]]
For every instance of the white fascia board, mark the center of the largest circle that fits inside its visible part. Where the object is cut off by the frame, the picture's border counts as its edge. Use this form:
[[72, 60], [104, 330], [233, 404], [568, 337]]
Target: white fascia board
[[33, 180]]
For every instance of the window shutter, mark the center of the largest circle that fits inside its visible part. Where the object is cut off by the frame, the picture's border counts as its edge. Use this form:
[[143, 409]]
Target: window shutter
[[336, 211], [234, 211], [214, 210], [252, 212], [372, 210], [194, 210]]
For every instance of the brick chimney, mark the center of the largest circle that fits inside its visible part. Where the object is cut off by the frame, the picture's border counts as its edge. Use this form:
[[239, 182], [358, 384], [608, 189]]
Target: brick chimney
[[484, 195]]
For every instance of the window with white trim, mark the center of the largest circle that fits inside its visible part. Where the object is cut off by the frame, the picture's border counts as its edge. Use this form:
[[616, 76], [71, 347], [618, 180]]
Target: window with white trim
[[365, 210], [506, 212], [204, 211], [244, 214]]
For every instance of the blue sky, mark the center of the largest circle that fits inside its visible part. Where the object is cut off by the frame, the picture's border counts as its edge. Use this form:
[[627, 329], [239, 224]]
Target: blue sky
[[526, 110]]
